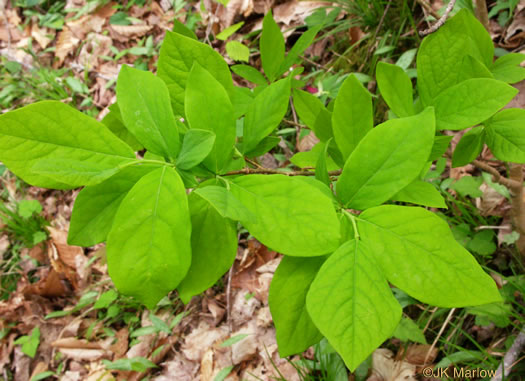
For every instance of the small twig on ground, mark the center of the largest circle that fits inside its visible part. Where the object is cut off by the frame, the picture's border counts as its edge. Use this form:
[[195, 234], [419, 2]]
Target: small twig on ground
[[441, 21], [510, 357], [449, 318]]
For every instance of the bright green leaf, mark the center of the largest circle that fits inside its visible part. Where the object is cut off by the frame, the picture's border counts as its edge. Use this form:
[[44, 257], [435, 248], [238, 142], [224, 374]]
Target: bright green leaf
[[408, 330], [148, 247], [265, 113], [237, 51], [53, 131], [298, 48], [396, 88], [351, 303], [208, 107], [113, 121], [293, 217], [421, 193], [471, 102], [197, 144], [507, 68], [223, 35], [418, 254], [249, 73], [95, 207], [371, 175], [271, 46], [180, 28], [506, 135], [144, 103], [469, 147], [295, 330], [313, 113], [177, 55], [213, 245], [225, 203], [468, 186], [353, 115]]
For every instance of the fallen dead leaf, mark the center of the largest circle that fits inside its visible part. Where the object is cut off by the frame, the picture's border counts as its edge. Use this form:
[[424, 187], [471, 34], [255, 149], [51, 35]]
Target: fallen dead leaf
[[41, 35], [386, 368], [66, 43]]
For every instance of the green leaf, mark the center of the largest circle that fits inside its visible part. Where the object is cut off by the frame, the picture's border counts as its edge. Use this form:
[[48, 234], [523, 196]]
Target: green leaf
[[507, 68], [298, 48], [223, 36], [264, 146], [396, 88], [223, 373], [144, 102], [351, 303], [177, 55], [208, 107], [250, 74], [213, 241], [422, 193], [469, 147], [233, 340], [265, 113], [241, 99], [197, 144], [460, 358], [95, 206], [506, 136], [473, 68], [225, 203], [26, 208], [310, 158], [482, 243], [105, 300], [371, 175], [440, 55], [321, 170], [293, 218], [135, 364], [271, 46], [497, 313], [295, 330], [407, 241], [148, 247], [30, 343], [237, 51], [440, 147], [51, 131], [407, 330], [471, 102], [353, 115], [468, 186], [313, 113], [113, 121], [180, 28]]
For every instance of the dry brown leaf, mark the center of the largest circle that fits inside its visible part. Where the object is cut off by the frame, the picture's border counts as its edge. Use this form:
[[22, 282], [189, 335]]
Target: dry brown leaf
[[49, 285], [66, 43], [417, 353], [207, 366], [86, 24], [41, 35], [307, 143], [40, 367], [120, 347], [72, 343], [202, 338], [131, 30], [4, 244], [386, 368], [491, 203], [85, 354]]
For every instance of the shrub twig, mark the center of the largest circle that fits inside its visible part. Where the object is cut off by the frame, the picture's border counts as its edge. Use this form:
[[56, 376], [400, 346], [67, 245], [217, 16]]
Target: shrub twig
[[441, 21]]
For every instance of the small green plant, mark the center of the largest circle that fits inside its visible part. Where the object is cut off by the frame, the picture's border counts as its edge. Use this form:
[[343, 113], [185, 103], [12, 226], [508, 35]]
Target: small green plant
[[169, 219]]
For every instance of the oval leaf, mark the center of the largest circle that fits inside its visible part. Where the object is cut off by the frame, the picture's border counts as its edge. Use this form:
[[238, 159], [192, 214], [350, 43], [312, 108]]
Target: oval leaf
[[148, 247]]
